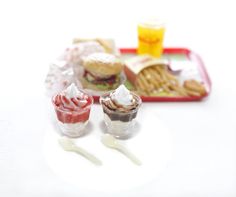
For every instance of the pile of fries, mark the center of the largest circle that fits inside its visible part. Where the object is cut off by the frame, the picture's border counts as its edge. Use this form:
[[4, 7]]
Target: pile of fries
[[158, 81]]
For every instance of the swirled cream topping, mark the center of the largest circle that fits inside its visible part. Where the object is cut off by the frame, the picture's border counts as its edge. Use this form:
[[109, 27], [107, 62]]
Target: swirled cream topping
[[73, 92], [122, 96], [71, 99], [121, 100]]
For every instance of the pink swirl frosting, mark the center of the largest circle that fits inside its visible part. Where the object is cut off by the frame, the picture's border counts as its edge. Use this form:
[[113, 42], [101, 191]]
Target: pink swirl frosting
[[71, 99]]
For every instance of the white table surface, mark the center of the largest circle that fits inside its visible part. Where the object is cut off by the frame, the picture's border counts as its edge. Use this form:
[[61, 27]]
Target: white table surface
[[203, 133]]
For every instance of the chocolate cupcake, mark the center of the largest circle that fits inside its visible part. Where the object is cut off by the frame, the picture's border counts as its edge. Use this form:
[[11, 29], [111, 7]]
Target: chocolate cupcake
[[120, 109]]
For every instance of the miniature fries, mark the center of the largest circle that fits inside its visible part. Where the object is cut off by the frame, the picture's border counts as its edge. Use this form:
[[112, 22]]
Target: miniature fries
[[157, 80]]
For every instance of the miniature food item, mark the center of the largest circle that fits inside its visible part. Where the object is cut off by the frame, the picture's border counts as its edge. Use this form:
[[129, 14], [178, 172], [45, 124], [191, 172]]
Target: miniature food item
[[150, 37], [72, 107], [194, 88], [157, 79], [120, 109], [151, 77], [101, 71]]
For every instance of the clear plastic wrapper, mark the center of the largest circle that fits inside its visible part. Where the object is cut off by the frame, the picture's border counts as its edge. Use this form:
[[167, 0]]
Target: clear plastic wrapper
[[60, 75]]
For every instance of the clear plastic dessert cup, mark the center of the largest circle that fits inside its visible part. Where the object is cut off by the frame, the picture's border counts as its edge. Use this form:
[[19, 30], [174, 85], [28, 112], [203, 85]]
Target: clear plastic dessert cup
[[120, 124], [73, 122]]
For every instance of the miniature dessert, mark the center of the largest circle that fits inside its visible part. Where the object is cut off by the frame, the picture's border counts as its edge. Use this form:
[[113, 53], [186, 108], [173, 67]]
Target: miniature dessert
[[102, 71], [120, 109], [72, 107]]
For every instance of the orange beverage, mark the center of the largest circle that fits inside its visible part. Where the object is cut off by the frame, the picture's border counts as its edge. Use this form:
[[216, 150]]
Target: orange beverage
[[150, 38]]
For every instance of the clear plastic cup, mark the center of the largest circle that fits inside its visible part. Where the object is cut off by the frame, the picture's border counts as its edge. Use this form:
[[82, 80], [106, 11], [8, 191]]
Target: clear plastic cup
[[72, 123], [119, 124], [150, 37]]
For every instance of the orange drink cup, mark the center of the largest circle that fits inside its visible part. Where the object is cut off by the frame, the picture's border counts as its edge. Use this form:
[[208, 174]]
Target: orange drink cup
[[150, 37]]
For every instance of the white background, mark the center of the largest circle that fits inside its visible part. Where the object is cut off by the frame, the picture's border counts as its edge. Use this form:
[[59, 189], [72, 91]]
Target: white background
[[32, 33]]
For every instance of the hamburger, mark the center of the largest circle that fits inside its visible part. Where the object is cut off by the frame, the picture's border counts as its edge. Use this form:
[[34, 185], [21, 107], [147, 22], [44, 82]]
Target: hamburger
[[102, 71]]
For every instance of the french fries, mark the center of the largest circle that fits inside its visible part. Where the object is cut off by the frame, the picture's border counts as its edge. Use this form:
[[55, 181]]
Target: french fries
[[157, 80]]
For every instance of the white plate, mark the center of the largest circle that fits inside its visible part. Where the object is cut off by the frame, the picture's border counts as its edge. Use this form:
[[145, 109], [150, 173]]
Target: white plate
[[152, 144]]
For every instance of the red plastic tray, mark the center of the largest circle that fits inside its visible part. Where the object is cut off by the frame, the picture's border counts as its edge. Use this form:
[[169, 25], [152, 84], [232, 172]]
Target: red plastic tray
[[192, 56]]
